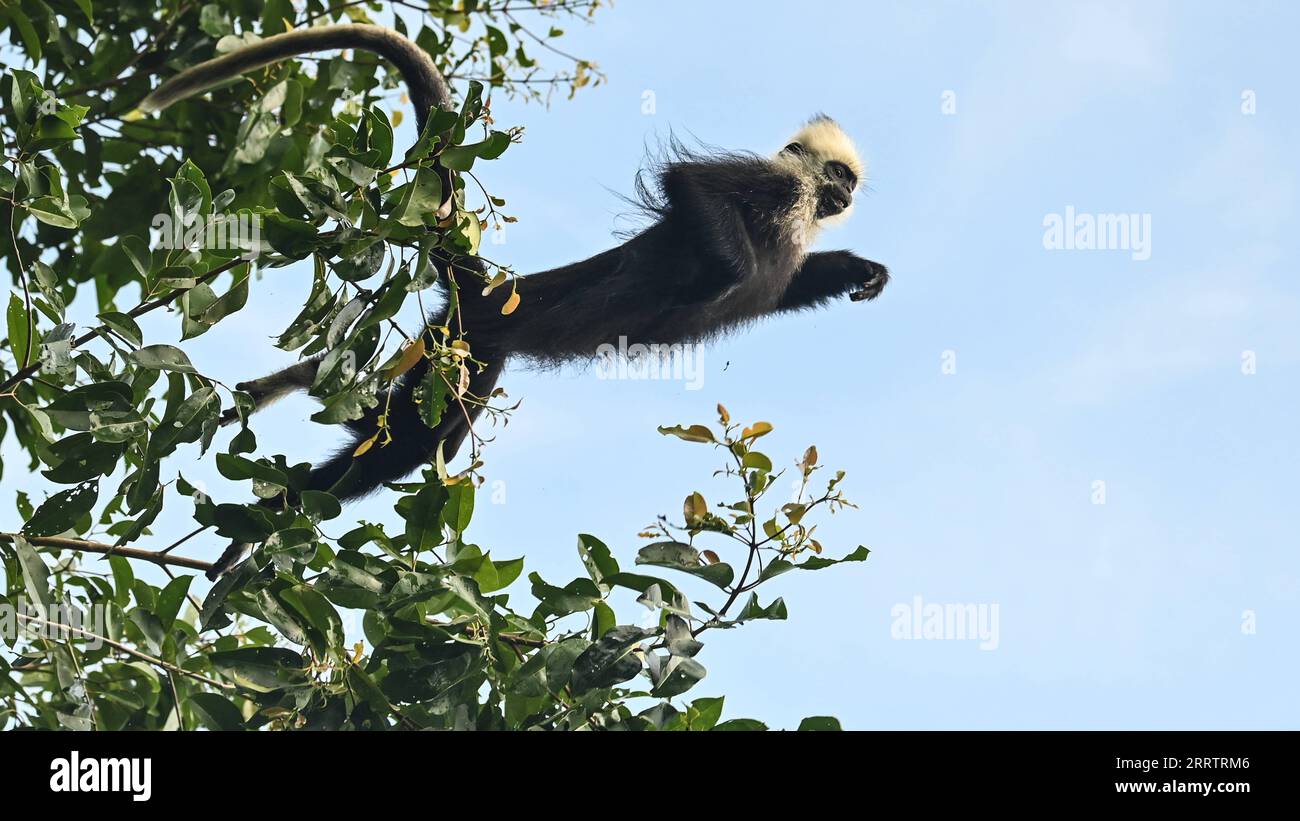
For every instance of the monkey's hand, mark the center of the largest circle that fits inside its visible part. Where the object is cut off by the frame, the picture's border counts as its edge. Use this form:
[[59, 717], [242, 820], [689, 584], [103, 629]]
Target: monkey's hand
[[828, 275], [877, 277]]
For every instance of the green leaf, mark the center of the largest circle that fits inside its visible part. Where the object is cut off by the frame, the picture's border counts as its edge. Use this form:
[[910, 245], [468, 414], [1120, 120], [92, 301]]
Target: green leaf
[[36, 576], [459, 509], [740, 724], [683, 557], [776, 610], [494, 576], [704, 713], [361, 260], [318, 612], [817, 562], [170, 600], [60, 512], [237, 467], [572, 598], [682, 674], [263, 669], [820, 723], [610, 660], [19, 332], [695, 433], [78, 458], [320, 506], [124, 325], [123, 580], [596, 557], [423, 514], [215, 711], [242, 523], [295, 239], [602, 620], [163, 358]]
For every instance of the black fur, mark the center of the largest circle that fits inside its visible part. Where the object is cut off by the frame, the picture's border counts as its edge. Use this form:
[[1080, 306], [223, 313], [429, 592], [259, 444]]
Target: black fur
[[716, 258], [721, 251]]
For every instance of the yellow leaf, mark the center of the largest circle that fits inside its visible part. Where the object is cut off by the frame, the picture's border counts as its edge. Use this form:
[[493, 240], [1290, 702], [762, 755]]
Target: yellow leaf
[[511, 304], [497, 282], [723, 415], [365, 446], [410, 357], [756, 430], [694, 508], [397, 117]]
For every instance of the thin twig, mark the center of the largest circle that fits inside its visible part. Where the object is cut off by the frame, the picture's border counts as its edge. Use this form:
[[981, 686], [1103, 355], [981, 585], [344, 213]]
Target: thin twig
[[142, 308], [131, 651]]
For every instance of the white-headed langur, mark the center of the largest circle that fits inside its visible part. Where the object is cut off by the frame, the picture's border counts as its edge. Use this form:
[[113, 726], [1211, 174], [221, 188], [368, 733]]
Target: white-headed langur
[[729, 243]]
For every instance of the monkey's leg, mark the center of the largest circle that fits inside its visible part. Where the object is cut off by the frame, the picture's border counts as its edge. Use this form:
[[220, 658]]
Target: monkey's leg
[[298, 377], [830, 274], [348, 476]]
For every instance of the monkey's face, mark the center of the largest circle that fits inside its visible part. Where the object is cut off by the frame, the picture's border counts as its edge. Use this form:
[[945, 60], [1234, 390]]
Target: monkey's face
[[835, 194]]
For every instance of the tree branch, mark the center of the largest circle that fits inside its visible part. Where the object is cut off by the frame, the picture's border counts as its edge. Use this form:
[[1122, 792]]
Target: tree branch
[[110, 550]]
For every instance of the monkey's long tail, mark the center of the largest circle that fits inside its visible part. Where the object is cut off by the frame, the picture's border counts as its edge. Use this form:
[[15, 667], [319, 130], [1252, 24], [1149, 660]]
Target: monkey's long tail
[[425, 83]]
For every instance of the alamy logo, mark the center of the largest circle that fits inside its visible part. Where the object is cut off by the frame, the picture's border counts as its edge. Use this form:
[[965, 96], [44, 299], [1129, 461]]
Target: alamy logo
[[77, 774], [23, 619], [950, 621], [214, 232], [1073, 231], [680, 362]]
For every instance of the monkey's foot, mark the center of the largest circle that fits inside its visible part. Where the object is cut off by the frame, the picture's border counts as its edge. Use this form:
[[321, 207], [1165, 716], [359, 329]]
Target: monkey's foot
[[228, 560]]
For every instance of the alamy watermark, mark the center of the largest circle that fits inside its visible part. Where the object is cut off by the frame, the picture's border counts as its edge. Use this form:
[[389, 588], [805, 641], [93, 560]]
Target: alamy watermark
[[950, 621], [1076, 231], [127, 775], [21, 618], [678, 362], [213, 232]]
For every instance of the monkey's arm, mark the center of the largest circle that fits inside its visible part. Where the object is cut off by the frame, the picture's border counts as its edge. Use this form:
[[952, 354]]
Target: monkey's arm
[[829, 274]]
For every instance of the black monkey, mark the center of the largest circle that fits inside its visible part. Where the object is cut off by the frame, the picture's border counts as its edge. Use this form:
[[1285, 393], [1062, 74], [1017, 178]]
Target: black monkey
[[729, 244]]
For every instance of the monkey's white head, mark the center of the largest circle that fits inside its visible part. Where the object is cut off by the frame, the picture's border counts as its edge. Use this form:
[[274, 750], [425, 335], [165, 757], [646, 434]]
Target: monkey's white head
[[824, 154]]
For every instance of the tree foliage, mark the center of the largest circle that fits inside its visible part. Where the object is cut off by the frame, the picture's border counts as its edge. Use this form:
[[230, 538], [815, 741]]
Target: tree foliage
[[297, 164]]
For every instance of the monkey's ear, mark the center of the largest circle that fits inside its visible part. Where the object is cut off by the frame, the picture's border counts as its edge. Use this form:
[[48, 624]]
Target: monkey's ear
[[796, 148]]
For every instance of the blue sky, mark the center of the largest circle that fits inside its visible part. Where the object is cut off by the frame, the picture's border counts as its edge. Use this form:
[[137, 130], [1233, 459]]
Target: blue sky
[[1072, 367]]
